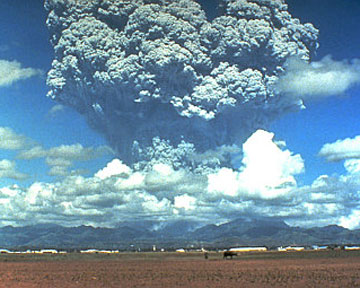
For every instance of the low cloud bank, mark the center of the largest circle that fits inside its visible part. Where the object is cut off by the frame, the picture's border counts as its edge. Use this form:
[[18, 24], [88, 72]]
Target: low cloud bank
[[163, 190], [265, 184]]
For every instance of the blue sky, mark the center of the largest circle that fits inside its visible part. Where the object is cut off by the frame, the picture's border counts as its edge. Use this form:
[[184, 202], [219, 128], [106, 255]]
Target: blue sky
[[336, 117], [26, 110]]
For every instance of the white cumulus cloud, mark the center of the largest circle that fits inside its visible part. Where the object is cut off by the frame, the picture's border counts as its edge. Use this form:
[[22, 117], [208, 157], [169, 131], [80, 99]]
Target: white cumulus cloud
[[113, 168], [8, 170], [265, 184], [342, 149], [351, 221], [318, 79], [267, 171], [9, 140], [11, 71], [62, 157]]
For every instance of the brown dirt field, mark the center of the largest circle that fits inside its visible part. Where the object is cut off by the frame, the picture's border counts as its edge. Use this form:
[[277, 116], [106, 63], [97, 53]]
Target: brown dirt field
[[271, 269]]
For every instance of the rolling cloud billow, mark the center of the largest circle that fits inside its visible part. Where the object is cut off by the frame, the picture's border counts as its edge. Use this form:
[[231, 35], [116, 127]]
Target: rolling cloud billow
[[140, 70]]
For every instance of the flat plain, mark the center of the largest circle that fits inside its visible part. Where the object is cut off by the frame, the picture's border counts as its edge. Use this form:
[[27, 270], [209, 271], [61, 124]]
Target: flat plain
[[266, 269]]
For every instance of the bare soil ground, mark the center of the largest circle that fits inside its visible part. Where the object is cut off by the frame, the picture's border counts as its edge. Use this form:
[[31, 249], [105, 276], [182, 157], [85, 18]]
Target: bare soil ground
[[271, 269]]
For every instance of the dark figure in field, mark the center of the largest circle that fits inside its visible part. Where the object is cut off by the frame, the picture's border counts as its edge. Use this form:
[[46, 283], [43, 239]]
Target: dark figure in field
[[229, 254], [206, 255]]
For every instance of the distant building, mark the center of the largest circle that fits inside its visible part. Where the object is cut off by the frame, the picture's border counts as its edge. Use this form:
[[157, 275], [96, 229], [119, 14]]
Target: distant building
[[351, 247], [95, 251], [48, 251], [89, 251], [295, 248], [248, 249], [315, 247], [290, 248], [180, 250]]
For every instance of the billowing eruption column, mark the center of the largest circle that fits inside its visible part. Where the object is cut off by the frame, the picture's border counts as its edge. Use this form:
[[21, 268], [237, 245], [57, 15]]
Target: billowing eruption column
[[144, 71]]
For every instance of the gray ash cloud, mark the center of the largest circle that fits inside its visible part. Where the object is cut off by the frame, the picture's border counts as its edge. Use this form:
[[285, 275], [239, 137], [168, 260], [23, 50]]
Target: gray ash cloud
[[139, 70]]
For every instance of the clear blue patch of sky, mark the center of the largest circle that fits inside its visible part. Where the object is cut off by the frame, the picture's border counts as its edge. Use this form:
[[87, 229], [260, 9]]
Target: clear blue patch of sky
[[24, 106], [333, 118]]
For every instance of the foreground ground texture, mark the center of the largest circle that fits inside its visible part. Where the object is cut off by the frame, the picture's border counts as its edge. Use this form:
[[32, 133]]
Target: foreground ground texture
[[271, 269]]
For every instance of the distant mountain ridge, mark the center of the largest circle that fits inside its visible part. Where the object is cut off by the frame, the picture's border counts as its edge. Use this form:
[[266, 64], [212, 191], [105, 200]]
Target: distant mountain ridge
[[130, 235]]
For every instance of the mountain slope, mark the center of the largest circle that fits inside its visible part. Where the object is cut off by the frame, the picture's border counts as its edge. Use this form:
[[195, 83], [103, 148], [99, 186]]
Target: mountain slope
[[241, 231]]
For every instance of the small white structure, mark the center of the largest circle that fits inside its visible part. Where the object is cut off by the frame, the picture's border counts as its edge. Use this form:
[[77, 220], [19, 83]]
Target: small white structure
[[181, 250], [294, 248], [248, 249], [290, 248], [351, 248], [99, 251], [89, 251], [105, 251], [48, 251], [315, 247]]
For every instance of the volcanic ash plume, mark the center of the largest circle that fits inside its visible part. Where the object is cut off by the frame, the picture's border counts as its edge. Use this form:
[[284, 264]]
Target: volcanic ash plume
[[151, 74]]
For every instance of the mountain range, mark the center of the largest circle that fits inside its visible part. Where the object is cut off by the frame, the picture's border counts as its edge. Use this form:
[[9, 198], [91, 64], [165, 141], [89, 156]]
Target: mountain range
[[143, 235]]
